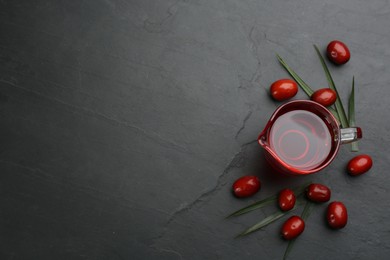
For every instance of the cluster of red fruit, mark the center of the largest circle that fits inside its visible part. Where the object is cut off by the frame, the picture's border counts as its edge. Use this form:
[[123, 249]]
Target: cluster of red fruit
[[284, 89], [336, 215], [248, 185]]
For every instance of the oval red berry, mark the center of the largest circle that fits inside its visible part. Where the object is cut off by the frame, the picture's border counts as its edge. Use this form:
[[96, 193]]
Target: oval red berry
[[246, 186], [286, 199], [359, 164], [337, 215], [324, 96], [338, 52], [318, 193], [293, 227], [283, 89]]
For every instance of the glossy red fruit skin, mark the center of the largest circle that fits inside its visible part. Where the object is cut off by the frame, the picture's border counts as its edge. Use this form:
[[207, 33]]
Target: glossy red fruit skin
[[318, 193], [324, 96], [337, 215], [246, 186], [283, 89], [293, 227], [359, 164], [338, 52], [286, 199]]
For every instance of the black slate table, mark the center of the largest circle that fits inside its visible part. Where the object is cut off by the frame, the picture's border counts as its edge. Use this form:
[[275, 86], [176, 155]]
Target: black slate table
[[124, 124]]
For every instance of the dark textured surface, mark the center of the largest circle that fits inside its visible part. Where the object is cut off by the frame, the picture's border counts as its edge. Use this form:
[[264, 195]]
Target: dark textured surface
[[124, 123]]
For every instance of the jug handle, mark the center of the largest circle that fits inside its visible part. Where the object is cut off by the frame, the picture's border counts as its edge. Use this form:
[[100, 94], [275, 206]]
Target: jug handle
[[349, 135]]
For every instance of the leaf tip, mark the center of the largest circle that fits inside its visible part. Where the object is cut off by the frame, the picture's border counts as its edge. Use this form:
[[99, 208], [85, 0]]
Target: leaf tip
[[231, 215], [239, 235]]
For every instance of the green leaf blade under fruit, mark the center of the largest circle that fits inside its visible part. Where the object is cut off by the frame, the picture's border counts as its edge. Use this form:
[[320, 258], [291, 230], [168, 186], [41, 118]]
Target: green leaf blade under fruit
[[265, 222], [302, 84], [308, 90], [267, 201], [307, 210], [351, 114], [257, 205], [304, 215], [339, 106], [334, 113], [288, 249]]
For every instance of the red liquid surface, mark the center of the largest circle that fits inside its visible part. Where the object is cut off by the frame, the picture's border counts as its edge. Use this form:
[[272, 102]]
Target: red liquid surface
[[301, 139]]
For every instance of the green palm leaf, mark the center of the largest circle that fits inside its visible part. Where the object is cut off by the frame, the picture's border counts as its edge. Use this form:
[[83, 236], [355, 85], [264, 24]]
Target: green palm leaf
[[267, 201], [306, 88], [339, 106], [305, 214], [351, 114]]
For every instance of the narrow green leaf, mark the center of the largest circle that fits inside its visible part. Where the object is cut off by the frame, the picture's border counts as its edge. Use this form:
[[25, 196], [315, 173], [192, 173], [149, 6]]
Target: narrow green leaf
[[306, 88], [289, 248], [267, 201], [268, 220], [334, 112], [351, 110], [339, 106], [305, 214], [351, 114], [307, 210], [257, 205], [295, 76], [300, 189]]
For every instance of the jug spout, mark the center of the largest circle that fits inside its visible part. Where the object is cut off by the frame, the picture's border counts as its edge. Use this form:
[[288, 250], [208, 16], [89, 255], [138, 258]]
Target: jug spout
[[270, 155], [263, 137]]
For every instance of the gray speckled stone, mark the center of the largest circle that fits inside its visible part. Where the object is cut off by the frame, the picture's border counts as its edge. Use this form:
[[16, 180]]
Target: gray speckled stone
[[124, 124]]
